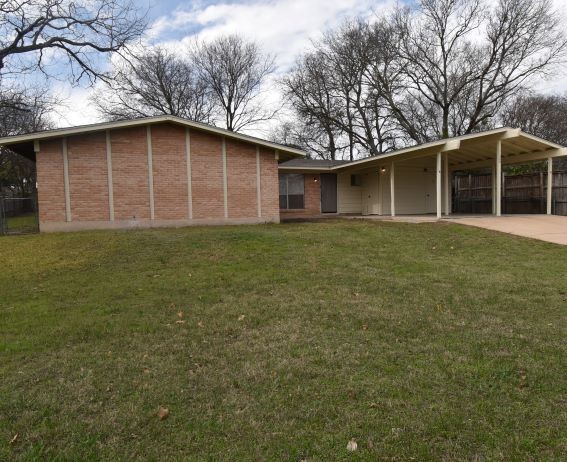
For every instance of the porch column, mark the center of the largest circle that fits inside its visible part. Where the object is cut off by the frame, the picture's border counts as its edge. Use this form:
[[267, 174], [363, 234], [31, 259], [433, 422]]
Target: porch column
[[493, 170], [447, 184], [380, 194], [549, 184], [438, 178], [499, 178], [392, 193]]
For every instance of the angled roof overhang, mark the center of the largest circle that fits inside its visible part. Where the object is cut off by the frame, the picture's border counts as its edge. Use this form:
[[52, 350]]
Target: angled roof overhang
[[473, 151], [24, 144]]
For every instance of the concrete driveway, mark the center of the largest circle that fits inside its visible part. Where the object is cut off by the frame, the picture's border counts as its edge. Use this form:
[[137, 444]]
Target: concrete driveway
[[550, 228]]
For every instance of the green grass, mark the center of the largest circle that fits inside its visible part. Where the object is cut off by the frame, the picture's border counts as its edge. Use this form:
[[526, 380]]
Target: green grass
[[22, 224], [422, 342]]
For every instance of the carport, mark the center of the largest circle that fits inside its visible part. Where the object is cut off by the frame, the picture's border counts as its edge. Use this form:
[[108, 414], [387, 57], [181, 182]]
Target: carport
[[418, 180]]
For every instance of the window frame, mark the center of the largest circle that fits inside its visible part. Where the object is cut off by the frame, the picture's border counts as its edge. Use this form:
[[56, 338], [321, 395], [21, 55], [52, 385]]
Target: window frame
[[283, 178]]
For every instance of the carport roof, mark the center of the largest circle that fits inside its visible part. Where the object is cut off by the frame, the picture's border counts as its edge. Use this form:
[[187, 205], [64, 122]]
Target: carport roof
[[476, 150], [24, 143]]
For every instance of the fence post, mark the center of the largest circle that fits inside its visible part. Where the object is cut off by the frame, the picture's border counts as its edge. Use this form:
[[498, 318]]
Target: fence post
[[2, 217]]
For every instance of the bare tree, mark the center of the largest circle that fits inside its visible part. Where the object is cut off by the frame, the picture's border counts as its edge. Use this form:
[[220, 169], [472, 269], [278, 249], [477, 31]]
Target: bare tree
[[364, 116], [21, 112], [540, 115], [464, 60], [235, 71], [332, 89], [154, 83], [33, 33], [309, 91]]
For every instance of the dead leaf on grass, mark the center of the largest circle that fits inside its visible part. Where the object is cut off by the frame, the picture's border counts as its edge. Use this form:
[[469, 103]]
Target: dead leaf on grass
[[352, 445], [200, 323], [163, 413], [180, 321], [180, 314], [241, 317], [365, 326], [145, 370], [14, 438]]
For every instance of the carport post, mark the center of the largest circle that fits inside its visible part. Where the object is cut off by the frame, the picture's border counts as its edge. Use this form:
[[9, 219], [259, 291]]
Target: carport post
[[493, 171], [447, 184], [438, 177], [549, 184], [499, 178], [392, 194]]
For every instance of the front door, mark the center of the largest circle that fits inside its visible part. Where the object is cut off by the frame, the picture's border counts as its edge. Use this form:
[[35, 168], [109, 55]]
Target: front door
[[430, 192], [328, 193], [371, 194]]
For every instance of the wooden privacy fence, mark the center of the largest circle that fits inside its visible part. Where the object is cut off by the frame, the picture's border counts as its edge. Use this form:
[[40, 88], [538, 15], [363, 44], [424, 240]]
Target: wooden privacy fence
[[525, 193]]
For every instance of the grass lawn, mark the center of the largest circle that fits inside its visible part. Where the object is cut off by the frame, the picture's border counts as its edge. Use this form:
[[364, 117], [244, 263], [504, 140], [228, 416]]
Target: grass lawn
[[421, 342], [22, 224]]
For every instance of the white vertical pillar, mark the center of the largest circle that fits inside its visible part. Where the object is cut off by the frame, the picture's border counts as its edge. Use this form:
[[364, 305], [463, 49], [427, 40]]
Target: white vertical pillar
[[380, 194], [498, 178], [549, 184], [447, 184], [224, 178], [392, 191], [109, 177], [258, 183], [150, 171], [438, 189], [66, 181], [189, 184], [493, 170]]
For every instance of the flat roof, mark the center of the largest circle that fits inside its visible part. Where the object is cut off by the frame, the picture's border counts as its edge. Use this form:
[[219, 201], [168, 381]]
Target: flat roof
[[79, 129]]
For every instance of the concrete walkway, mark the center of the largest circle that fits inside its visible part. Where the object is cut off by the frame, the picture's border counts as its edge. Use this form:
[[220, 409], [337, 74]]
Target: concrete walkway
[[550, 228]]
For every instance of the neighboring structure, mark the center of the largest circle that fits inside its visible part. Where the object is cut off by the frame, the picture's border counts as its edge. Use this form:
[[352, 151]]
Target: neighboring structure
[[158, 171], [168, 171], [411, 181]]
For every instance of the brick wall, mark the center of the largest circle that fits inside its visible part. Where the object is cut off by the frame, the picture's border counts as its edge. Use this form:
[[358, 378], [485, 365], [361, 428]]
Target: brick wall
[[50, 181], [241, 179], [130, 174], [312, 198], [88, 177], [207, 175], [170, 172]]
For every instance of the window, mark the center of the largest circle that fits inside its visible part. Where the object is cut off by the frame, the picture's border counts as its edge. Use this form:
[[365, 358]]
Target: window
[[291, 191], [356, 180]]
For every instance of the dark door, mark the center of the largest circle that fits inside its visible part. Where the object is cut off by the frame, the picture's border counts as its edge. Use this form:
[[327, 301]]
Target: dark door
[[328, 193]]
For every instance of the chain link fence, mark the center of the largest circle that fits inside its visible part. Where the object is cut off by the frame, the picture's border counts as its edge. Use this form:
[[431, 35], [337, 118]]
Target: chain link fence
[[18, 215]]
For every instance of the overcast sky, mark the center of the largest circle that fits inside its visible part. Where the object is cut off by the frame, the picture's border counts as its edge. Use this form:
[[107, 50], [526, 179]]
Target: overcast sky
[[282, 27]]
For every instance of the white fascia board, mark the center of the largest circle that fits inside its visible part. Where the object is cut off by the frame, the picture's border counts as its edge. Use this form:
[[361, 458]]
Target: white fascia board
[[145, 121]]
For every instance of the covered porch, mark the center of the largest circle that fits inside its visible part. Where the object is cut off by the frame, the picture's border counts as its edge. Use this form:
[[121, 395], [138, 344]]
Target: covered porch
[[418, 180]]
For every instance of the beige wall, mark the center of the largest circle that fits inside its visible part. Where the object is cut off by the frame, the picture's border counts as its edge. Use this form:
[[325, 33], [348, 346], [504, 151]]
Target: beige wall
[[349, 198], [414, 190]]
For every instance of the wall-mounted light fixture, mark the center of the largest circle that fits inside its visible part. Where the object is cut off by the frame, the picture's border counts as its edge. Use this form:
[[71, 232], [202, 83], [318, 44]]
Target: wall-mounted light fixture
[[382, 169], [316, 179]]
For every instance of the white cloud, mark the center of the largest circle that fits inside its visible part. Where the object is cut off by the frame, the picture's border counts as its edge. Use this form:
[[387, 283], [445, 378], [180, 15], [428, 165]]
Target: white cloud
[[76, 108], [283, 27]]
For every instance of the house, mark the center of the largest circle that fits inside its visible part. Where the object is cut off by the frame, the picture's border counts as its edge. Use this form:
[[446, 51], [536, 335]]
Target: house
[[156, 171], [411, 181], [168, 171]]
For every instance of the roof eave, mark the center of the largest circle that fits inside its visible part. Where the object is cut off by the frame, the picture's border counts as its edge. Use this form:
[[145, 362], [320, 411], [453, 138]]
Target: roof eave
[[70, 131]]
